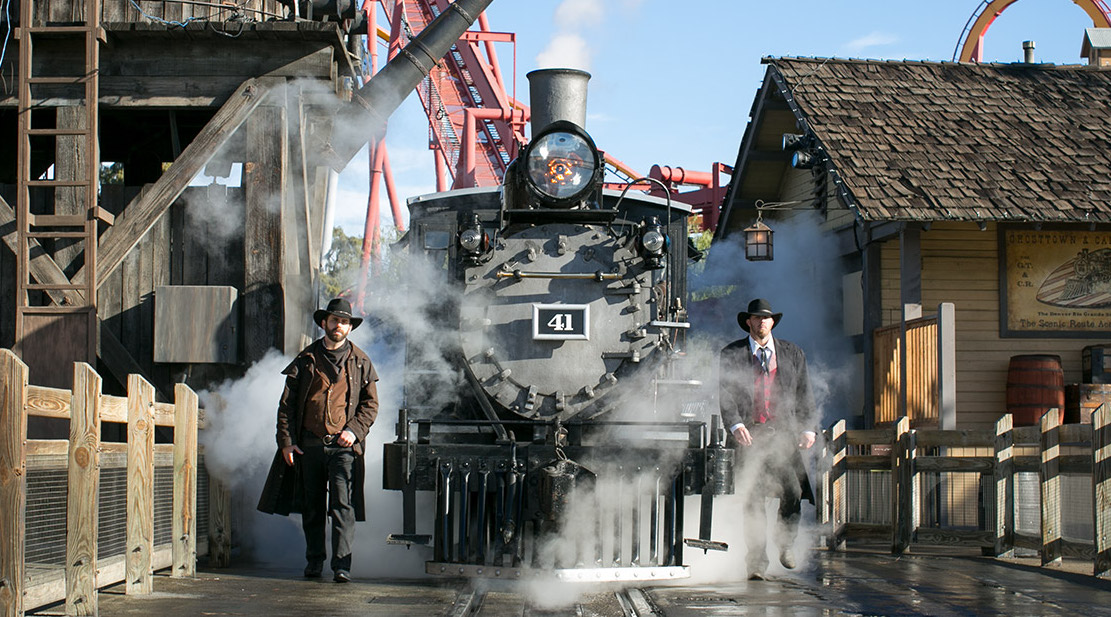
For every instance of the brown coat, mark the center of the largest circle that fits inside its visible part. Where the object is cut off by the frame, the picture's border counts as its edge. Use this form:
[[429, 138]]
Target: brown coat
[[282, 493]]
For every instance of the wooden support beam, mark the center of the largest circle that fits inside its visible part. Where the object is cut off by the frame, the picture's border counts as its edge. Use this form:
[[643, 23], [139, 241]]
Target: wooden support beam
[[185, 482], [1004, 511], [264, 250], [902, 465], [145, 210], [83, 492], [140, 486], [1051, 487], [946, 366], [13, 482], [1101, 489], [838, 487]]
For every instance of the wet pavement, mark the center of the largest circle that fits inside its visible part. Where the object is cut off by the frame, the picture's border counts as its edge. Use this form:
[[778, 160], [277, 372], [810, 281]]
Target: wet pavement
[[833, 584]]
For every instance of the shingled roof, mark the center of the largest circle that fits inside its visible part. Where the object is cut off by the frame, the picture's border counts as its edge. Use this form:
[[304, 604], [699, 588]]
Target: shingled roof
[[954, 141]]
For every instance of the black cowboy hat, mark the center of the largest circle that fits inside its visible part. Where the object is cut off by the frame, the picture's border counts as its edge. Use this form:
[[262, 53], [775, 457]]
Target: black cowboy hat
[[340, 308], [759, 307]]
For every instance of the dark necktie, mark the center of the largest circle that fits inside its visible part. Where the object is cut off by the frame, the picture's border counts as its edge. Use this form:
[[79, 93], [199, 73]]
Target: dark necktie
[[765, 355]]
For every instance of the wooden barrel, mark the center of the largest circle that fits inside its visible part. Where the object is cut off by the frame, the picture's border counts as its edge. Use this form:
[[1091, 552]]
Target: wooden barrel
[[1035, 384]]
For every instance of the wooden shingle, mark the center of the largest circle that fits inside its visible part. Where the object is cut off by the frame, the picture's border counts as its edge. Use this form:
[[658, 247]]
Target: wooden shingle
[[944, 141]]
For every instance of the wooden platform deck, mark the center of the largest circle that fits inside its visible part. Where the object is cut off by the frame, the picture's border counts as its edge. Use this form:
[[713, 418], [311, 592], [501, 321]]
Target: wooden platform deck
[[856, 582]]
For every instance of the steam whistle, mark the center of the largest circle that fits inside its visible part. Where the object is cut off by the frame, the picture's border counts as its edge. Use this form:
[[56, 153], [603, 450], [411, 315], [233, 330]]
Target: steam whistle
[[718, 480]]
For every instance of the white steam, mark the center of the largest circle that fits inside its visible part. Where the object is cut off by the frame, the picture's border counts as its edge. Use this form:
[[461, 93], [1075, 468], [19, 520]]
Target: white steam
[[568, 47], [802, 282]]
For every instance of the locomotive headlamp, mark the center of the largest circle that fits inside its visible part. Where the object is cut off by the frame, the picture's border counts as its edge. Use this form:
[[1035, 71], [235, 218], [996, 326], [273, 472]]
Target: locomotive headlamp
[[562, 165], [653, 244]]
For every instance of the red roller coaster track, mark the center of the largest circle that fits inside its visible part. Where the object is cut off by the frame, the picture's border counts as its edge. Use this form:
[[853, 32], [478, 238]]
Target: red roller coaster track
[[970, 46]]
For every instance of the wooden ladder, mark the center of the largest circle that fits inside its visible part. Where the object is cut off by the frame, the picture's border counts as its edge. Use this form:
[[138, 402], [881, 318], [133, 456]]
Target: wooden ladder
[[57, 211]]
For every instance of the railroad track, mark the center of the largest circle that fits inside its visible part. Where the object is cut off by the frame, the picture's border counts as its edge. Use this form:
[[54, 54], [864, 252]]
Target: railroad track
[[626, 602]]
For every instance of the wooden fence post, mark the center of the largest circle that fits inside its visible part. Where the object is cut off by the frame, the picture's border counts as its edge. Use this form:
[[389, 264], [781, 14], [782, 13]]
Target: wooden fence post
[[185, 482], [219, 524], [902, 478], [140, 486], [1051, 487], [1101, 489], [946, 366], [13, 481], [83, 491], [839, 506], [1004, 473]]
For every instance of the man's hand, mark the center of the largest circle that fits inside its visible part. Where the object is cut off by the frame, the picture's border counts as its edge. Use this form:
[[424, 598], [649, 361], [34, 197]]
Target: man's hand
[[806, 441], [742, 436], [288, 452], [346, 438]]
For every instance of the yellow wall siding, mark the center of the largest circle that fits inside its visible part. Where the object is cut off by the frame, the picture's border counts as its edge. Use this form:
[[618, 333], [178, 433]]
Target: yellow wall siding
[[960, 264]]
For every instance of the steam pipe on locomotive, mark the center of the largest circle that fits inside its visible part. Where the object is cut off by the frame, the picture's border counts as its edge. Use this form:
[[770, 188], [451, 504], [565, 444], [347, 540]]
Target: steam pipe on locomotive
[[570, 308]]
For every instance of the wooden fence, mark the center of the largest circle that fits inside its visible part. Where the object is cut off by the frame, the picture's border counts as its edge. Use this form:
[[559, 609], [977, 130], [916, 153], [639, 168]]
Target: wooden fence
[[1050, 450], [28, 579]]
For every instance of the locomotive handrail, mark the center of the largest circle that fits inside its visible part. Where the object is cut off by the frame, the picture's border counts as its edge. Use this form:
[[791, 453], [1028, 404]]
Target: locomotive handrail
[[599, 276]]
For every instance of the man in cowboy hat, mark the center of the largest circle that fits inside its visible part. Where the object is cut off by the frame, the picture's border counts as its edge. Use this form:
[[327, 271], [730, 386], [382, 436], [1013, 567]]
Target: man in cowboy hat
[[766, 402], [329, 402]]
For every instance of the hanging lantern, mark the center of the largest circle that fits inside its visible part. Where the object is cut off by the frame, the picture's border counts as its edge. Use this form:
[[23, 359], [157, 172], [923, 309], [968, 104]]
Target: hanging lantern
[[758, 241]]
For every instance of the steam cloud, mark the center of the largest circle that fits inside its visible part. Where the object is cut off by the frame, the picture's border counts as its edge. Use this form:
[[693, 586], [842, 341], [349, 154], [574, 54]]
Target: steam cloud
[[568, 48]]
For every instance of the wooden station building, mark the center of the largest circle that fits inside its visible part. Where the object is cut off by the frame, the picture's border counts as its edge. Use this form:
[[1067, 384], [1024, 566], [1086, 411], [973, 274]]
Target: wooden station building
[[985, 188], [112, 254]]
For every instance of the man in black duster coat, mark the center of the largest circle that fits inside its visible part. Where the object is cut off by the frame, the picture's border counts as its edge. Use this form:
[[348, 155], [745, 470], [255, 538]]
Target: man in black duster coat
[[767, 405], [326, 410]]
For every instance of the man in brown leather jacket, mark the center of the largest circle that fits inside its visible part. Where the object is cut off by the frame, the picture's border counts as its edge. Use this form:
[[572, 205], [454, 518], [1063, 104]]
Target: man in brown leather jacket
[[326, 410]]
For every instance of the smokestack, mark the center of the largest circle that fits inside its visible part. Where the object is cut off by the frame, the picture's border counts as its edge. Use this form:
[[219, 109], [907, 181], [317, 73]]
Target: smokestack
[[1028, 52], [365, 116], [557, 94]]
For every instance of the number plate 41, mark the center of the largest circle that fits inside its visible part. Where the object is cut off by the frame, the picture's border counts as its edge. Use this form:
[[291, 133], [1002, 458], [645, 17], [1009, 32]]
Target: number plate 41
[[561, 322]]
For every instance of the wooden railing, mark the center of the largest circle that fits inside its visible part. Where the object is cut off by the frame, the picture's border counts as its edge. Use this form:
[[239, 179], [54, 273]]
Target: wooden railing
[[1049, 450], [178, 13], [27, 583]]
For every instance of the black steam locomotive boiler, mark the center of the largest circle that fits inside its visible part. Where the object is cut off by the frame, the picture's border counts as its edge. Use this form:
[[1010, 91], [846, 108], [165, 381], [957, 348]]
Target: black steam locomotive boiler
[[565, 448]]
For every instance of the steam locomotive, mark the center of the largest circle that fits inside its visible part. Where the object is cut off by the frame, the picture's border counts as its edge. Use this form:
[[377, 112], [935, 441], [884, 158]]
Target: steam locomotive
[[566, 449]]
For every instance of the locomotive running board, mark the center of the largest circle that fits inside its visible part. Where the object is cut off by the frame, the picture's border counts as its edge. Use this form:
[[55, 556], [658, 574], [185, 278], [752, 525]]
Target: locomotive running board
[[565, 575]]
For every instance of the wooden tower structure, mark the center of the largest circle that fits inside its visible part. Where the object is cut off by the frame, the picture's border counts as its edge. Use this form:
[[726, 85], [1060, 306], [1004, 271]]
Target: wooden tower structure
[[163, 212]]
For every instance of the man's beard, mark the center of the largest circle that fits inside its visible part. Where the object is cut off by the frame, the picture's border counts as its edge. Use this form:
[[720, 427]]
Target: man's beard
[[336, 336]]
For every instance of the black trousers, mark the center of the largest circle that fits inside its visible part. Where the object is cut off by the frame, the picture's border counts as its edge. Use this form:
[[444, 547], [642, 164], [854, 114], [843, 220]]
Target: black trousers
[[327, 475], [778, 462]]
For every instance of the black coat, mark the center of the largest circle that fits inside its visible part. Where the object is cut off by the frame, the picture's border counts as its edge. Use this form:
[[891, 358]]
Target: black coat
[[794, 401], [282, 493]]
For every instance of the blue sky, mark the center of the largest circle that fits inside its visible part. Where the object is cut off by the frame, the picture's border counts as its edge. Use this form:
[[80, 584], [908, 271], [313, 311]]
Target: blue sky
[[672, 82]]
